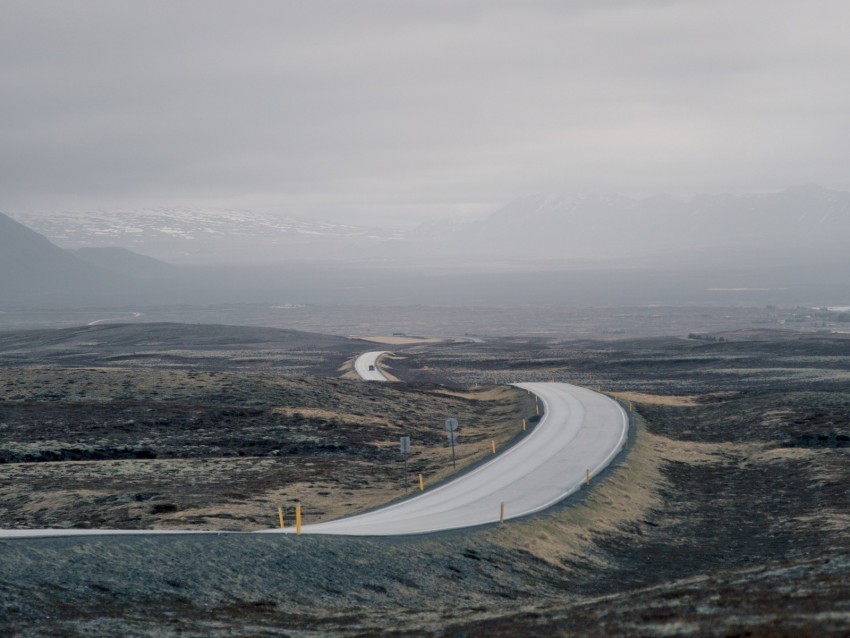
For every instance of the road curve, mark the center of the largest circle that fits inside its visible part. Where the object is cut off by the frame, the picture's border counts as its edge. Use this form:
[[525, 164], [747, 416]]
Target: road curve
[[366, 366], [580, 431]]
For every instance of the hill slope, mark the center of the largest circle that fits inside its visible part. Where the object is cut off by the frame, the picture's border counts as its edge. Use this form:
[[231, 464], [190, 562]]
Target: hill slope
[[125, 262], [33, 270]]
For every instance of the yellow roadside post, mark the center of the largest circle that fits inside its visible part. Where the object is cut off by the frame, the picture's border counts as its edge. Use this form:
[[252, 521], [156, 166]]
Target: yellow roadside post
[[494, 446], [630, 406], [587, 477], [298, 517], [421, 484], [280, 516], [538, 410], [501, 513], [523, 425]]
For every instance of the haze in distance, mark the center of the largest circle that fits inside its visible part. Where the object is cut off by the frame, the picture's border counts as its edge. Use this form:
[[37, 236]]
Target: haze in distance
[[424, 152], [788, 246]]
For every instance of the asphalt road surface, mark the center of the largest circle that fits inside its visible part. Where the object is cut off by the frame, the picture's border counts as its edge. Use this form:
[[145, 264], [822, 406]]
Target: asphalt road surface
[[581, 431], [366, 366]]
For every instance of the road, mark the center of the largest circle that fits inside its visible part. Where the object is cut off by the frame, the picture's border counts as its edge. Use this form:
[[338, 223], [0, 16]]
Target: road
[[369, 360], [133, 315], [580, 431]]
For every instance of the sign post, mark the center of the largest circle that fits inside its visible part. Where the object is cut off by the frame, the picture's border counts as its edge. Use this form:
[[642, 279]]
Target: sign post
[[451, 426], [404, 444]]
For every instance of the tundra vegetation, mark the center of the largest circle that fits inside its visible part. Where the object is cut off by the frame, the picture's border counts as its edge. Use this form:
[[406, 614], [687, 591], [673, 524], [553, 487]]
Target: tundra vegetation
[[729, 513]]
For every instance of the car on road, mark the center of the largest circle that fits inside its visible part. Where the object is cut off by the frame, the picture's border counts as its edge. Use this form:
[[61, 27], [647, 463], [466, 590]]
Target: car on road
[[371, 368]]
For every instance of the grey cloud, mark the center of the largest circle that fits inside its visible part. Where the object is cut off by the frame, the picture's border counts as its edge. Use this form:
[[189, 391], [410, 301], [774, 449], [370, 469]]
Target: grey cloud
[[414, 107]]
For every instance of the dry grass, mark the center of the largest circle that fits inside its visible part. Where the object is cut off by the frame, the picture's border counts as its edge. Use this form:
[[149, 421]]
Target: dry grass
[[347, 369], [336, 446], [496, 393], [657, 399], [401, 341], [782, 454], [335, 415], [627, 496], [774, 417], [209, 494], [385, 368]]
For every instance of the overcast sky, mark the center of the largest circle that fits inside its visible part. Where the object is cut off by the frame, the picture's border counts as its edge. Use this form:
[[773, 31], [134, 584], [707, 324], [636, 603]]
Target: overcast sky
[[404, 109]]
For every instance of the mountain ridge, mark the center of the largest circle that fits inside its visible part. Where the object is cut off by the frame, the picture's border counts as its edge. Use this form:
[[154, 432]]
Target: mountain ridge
[[203, 235], [32, 269], [803, 223]]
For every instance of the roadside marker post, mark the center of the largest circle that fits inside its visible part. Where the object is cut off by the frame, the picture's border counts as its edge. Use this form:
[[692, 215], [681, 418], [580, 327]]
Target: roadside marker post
[[502, 513], [421, 484], [587, 477], [298, 517], [494, 446], [280, 516], [523, 425], [538, 410]]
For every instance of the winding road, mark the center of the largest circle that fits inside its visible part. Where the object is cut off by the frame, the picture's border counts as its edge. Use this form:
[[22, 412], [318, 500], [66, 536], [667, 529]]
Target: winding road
[[366, 366], [580, 433]]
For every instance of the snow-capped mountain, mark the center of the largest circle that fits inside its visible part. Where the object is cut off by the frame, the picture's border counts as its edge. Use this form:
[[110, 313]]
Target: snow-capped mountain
[[203, 235], [806, 224]]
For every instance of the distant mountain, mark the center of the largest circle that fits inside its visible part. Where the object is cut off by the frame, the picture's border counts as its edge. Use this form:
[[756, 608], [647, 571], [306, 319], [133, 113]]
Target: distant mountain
[[606, 246], [806, 224], [126, 262], [201, 235], [33, 270]]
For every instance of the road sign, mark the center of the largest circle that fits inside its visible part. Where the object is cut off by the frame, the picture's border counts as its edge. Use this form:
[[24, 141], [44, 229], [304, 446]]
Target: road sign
[[452, 437], [404, 444], [451, 425]]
